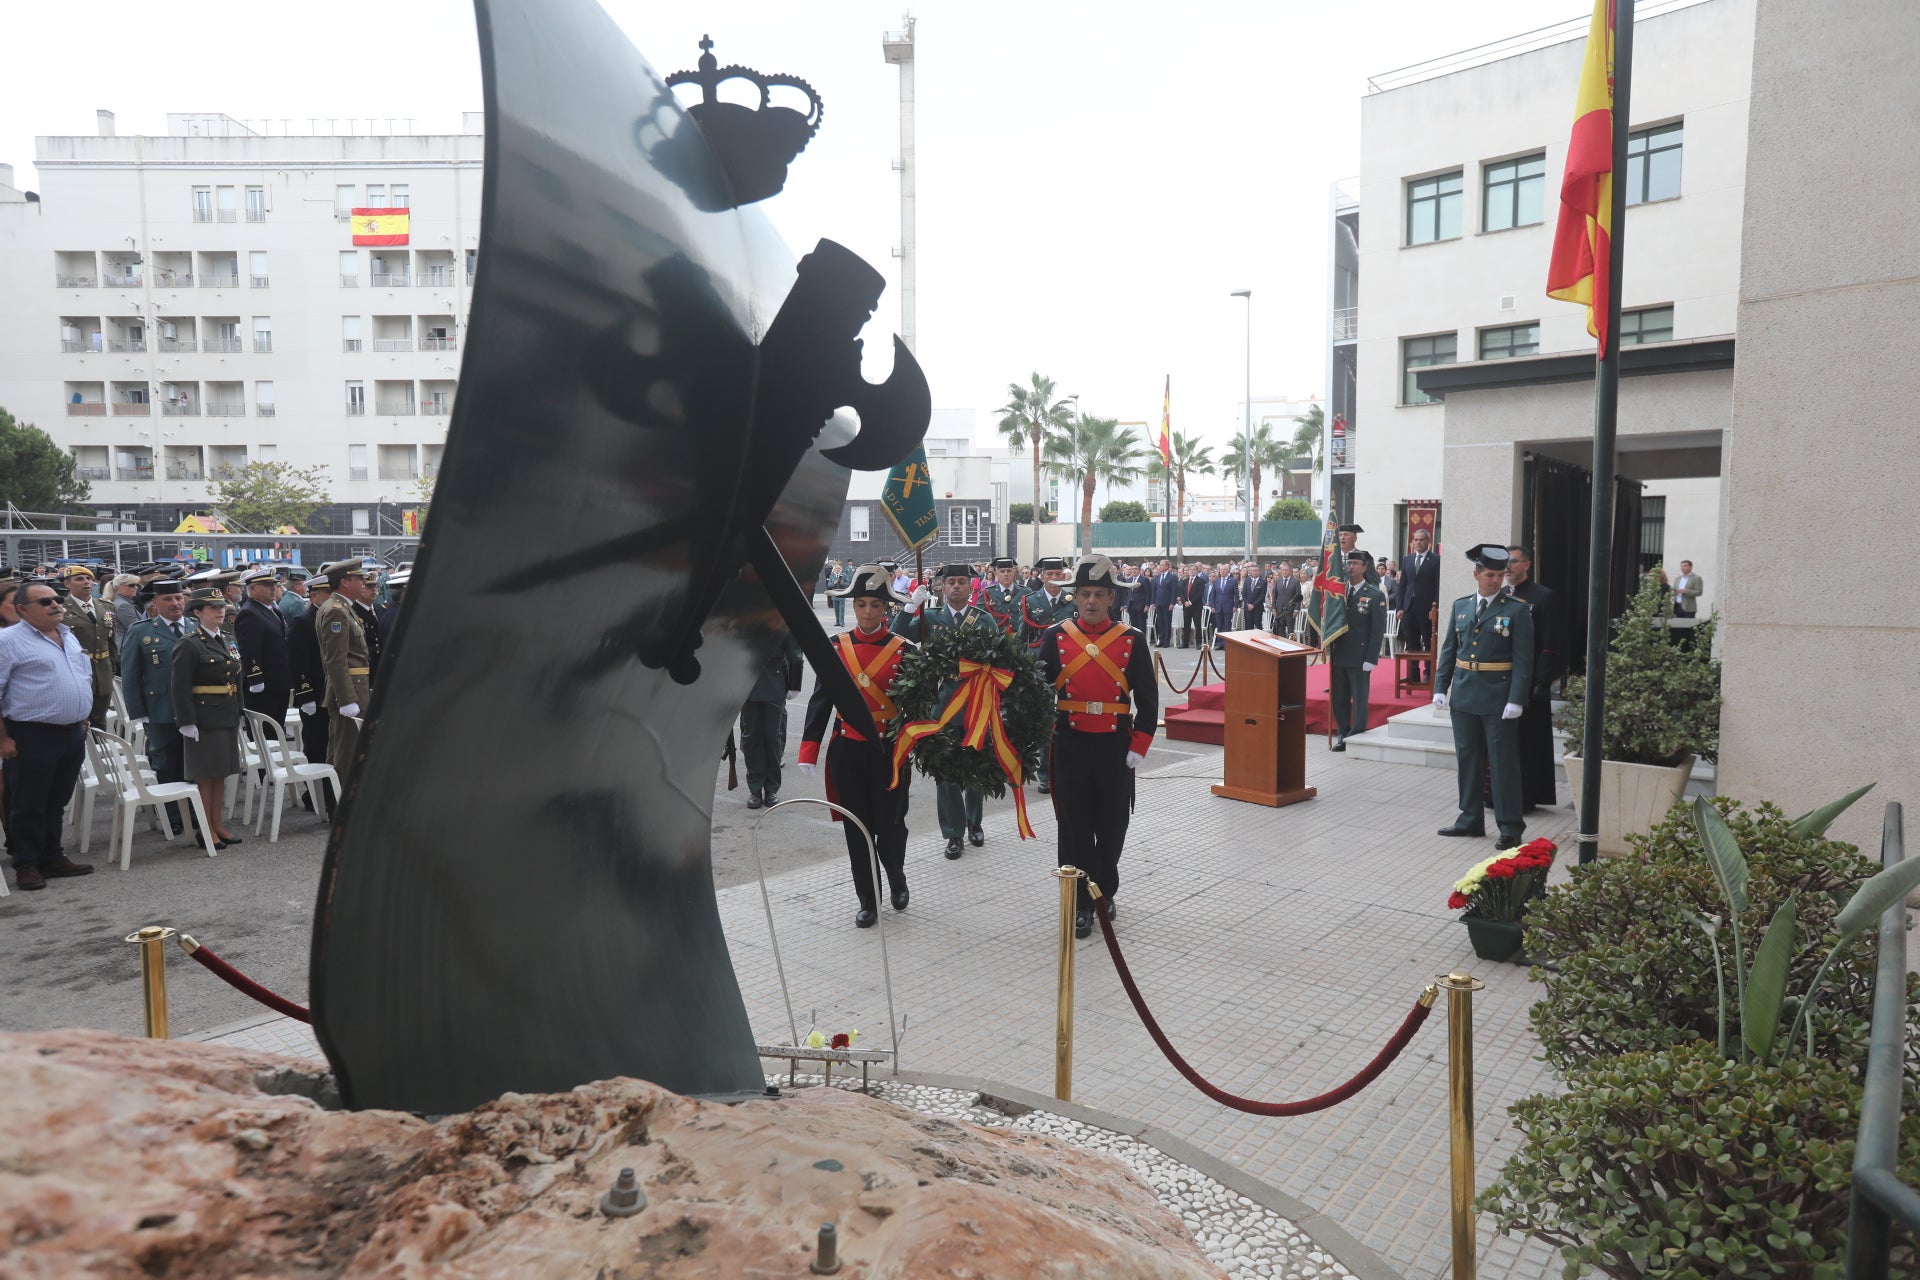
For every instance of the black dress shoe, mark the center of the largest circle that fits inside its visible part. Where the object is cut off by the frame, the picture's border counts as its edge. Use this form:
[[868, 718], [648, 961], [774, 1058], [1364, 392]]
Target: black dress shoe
[[1045, 787], [29, 878], [1339, 744], [953, 848], [900, 897], [771, 799], [1461, 831], [976, 837], [865, 918], [753, 800], [231, 840], [63, 866], [1082, 923]]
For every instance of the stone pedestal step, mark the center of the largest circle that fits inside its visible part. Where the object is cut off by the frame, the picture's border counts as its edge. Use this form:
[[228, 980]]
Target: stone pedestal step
[[1425, 737]]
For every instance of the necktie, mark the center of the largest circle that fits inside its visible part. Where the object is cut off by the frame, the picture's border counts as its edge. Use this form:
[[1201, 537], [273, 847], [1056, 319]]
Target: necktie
[[1480, 607]]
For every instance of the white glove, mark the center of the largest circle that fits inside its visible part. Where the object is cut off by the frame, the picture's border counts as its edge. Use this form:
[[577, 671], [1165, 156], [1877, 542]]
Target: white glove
[[1511, 711], [1366, 666], [351, 709], [1439, 702], [308, 708], [807, 770], [1133, 759], [257, 688], [139, 719], [918, 600], [191, 732], [792, 694]]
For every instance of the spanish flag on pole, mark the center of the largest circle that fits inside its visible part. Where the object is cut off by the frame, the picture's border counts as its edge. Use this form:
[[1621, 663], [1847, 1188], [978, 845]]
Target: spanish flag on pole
[[1166, 423], [379, 226], [1580, 266]]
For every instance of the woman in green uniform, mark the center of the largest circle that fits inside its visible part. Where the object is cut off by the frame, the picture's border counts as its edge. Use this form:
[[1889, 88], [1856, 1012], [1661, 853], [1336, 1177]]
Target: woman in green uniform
[[206, 702]]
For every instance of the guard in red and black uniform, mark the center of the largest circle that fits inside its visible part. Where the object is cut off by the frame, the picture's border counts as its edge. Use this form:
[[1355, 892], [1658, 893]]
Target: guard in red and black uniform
[[1109, 707], [859, 772]]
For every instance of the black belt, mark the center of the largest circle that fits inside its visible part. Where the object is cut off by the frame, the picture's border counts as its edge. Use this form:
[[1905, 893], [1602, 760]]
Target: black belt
[[43, 724]]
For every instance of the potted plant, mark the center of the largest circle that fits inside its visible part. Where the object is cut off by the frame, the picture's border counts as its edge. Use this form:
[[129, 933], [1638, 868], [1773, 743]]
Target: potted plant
[[1663, 713], [1493, 897]]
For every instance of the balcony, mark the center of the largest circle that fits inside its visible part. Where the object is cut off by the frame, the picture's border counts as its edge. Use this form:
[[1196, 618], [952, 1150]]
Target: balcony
[[115, 281], [127, 346], [226, 408], [173, 279], [76, 346], [349, 344], [1344, 451], [178, 471], [435, 278], [343, 215], [263, 342], [132, 409], [202, 215], [357, 409], [93, 473], [469, 277], [264, 410], [88, 409], [1346, 324], [394, 410], [439, 344], [389, 280], [178, 344], [356, 473], [76, 282], [219, 282], [133, 473], [349, 282], [229, 215], [257, 282], [399, 473], [173, 409], [256, 215], [393, 344], [225, 346]]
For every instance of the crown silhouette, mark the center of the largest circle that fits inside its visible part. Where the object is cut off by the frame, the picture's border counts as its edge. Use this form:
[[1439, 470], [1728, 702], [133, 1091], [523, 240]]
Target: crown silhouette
[[755, 146]]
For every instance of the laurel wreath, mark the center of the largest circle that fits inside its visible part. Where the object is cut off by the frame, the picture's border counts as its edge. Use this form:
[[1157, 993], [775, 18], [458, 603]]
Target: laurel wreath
[[927, 678]]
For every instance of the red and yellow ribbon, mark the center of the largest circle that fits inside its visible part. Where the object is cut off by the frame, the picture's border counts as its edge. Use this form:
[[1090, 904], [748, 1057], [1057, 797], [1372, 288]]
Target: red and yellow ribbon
[[977, 701]]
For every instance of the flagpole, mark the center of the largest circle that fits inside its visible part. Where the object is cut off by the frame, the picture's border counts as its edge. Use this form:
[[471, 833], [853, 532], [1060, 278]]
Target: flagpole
[[1606, 412]]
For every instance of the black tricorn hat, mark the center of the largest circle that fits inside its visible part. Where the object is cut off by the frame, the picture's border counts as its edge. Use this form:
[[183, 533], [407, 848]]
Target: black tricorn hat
[[1490, 555], [1050, 564], [955, 571], [1359, 555], [1005, 562], [1097, 571], [1349, 528], [872, 581]]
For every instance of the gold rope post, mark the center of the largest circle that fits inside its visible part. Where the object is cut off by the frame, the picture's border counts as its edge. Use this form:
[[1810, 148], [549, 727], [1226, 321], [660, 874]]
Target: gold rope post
[[1460, 988], [152, 942], [1070, 878]]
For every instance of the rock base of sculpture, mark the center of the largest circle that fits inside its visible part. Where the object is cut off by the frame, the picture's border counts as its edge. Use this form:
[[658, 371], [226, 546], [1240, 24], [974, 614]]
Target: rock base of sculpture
[[136, 1157]]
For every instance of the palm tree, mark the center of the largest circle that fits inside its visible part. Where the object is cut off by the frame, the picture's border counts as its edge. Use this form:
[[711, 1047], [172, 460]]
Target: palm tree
[[1265, 453], [1189, 455], [1308, 434], [1030, 417], [1092, 450]]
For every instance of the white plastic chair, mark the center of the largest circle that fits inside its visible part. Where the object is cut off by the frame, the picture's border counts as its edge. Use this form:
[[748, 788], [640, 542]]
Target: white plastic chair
[[286, 769], [80, 808], [133, 792]]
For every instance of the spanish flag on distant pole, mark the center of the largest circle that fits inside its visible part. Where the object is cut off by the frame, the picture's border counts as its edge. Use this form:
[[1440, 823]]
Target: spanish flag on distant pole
[[1166, 424], [1580, 269], [379, 226]]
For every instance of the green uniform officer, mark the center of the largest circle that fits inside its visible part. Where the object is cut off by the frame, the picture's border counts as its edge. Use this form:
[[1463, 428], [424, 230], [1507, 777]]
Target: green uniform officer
[[1001, 596], [960, 810], [1353, 653], [146, 683], [345, 661], [1040, 610], [91, 622], [1483, 678]]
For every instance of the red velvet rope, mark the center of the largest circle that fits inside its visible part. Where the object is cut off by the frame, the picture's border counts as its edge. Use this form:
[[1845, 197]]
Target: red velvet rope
[[1199, 669], [241, 982], [1333, 1097]]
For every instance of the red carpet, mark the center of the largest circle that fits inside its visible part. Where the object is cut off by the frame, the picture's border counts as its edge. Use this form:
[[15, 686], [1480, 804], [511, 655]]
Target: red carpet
[[1202, 719]]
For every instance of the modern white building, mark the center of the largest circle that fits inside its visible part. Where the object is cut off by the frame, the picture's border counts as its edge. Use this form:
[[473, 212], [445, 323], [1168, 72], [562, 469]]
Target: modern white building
[[1440, 259], [175, 307]]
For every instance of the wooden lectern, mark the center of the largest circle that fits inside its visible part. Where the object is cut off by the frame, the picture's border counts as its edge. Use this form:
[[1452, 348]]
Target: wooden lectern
[[1266, 711]]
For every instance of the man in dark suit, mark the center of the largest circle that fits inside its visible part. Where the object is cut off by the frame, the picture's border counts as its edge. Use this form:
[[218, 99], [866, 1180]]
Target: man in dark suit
[[1419, 592], [1253, 596], [1283, 599], [1166, 589], [1194, 622], [261, 632], [1549, 662], [1140, 599]]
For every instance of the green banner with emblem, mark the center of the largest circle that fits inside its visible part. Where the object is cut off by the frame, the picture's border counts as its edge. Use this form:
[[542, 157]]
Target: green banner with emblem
[[907, 498]]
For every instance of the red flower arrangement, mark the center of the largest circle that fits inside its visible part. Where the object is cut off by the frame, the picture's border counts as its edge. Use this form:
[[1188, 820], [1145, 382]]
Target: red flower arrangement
[[1501, 887]]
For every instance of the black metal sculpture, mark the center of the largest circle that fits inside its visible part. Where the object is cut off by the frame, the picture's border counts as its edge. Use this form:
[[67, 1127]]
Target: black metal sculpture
[[517, 892]]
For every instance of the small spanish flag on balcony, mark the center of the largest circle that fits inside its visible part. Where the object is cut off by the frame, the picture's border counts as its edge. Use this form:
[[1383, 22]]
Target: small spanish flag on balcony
[[380, 226]]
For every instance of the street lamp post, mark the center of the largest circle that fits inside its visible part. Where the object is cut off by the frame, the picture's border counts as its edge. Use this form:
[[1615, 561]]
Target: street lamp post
[[1246, 438]]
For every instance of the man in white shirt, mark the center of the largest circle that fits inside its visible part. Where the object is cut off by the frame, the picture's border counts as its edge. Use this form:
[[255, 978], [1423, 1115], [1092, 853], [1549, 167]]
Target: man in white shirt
[[1686, 591]]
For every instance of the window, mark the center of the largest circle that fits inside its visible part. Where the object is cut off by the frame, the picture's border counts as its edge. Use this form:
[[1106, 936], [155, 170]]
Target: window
[[343, 201], [1422, 353], [964, 527], [1653, 164], [857, 529], [1649, 324], [257, 268], [229, 211], [357, 470], [398, 200], [203, 204], [362, 518], [1514, 340], [256, 204], [1433, 208], [1514, 194], [349, 268], [263, 398], [376, 195], [473, 256], [349, 333], [1653, 530], [267, 452], [263, 333], [356, 400]]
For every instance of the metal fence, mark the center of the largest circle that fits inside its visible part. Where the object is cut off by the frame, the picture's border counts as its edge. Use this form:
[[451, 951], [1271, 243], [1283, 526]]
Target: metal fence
[[1880, 1198]]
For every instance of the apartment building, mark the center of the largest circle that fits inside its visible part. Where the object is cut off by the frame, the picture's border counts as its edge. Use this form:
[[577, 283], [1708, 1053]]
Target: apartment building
[[173, 308]]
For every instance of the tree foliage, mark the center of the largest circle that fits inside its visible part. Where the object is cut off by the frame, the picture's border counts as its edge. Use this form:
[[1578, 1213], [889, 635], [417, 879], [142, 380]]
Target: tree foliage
[[1022, 513], [35, 473], [1308, 434], [1121, 511], [1092, 450], [1262, 454], [261, 497], [1291, 509], [1190, 457], [1031, 416], [1663, 700]]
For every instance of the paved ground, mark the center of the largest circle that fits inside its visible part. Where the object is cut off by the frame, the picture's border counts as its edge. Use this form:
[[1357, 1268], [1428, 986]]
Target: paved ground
[[1279, 947]]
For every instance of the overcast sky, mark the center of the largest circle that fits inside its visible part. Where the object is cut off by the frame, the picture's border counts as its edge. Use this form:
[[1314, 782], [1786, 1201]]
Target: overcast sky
[[1095, 178]]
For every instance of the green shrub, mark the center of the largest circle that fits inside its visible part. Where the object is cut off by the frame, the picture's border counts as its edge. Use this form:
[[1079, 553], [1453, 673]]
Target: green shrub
[[1291, 509], [1122, 511], [1683, 1165], [1663, 701]]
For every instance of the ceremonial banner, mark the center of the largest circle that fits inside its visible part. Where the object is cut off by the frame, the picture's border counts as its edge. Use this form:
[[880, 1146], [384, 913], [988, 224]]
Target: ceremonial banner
[[379, 226], [1579, 269], [1423, 515], [1327, 610], [907, 498]]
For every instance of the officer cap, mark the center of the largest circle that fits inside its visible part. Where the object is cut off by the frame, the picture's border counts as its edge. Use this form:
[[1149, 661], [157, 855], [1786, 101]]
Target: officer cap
[[206, 596], [1097, 571], [872, 581], [956, 571], [252, 576], [1349, 528], [1050, 564], [1490, 555], [76, 571], [1357, 555], [1005, 562], [399, 577], [318, 582], [344, 569]]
